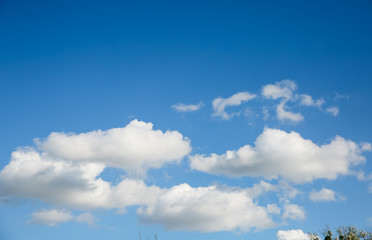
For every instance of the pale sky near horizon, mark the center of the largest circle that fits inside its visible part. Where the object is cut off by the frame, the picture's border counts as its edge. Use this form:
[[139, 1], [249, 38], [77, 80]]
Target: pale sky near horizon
[[190, 120]]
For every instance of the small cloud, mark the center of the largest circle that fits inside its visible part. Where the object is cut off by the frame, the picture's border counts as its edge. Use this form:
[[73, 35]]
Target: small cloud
[[324, 195], [282, 89], [219, 104], [180, 107], [50, 217], [87, 218], [339, 96], [333, 110], [291, 235], [283, 114], [369, 221], [294, 212], [273, 209], [307, 100]]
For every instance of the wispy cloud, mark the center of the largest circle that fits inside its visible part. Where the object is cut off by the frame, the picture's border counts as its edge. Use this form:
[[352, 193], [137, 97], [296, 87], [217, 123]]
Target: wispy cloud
[[180, 107], [284, 114], [50, 217], [219, 104], [333, 110]]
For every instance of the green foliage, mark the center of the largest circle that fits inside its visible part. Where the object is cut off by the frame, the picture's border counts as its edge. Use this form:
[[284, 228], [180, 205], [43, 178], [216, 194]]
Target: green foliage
[[154, 237], [343, 233]]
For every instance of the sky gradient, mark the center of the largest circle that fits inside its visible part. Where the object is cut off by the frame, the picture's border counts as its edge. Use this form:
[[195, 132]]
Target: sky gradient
[[186, 119]]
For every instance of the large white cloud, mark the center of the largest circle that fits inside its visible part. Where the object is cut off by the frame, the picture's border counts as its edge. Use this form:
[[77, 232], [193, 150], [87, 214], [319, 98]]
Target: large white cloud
[[135, 147], [219, 104], [77, 185], [278, 153], [292, 235], [208, 209]]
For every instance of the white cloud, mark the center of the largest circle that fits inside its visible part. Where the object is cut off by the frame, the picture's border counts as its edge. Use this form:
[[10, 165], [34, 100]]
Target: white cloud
[[206, 209], [219, 104], [273, 209], [285, 91], [307, 100], [333, 110], [324, 194], [135, 147], [282, 89], [50, 217], [180, 107], [31, 174], [87, 218], [293, 212], [283, 114], [53, 217], [278, 153], [292, 235], [369, 221]]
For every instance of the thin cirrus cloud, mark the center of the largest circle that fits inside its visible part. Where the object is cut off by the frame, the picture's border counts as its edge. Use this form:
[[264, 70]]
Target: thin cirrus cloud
[[220, 104], [180, 107], [277, 153]]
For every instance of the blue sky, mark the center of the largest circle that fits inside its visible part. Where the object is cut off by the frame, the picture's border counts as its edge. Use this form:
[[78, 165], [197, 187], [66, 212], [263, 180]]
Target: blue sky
[[190, 120]]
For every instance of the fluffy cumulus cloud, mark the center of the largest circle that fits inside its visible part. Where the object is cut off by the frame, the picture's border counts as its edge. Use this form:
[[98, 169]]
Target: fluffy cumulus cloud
[[292, 235], [307, 100], [50, 217], [135, 147], [293, 212], [180, 107], [66, 171], [58, 174], [323, 195], [220, 104], [31, 174], [278, 153], [208, 209]]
